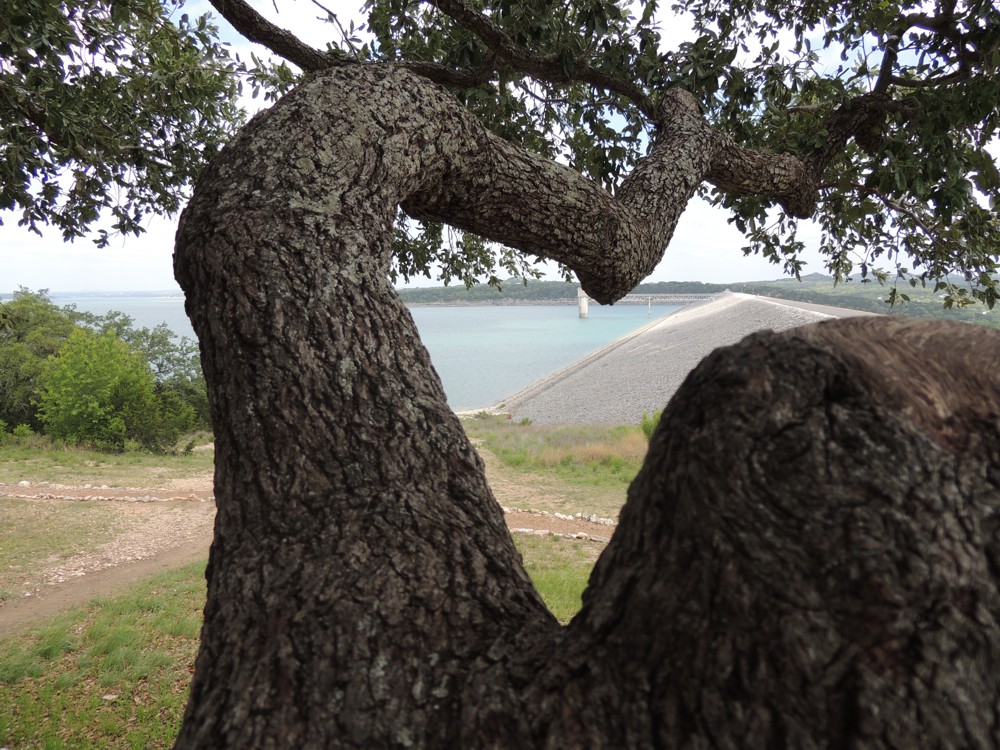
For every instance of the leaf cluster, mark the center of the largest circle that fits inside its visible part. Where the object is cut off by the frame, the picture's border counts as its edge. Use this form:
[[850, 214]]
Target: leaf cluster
[[107, 106], [895, 103]]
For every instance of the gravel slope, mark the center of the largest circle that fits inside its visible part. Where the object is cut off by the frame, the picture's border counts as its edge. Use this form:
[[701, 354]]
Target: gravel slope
[[640, 372]]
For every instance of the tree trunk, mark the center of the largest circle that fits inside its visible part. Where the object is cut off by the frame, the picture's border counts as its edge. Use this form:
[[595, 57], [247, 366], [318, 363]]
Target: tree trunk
[[805, 560]]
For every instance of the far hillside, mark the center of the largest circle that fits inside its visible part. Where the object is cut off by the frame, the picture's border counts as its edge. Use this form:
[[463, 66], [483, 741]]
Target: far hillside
[[871, 297], [816, 288], [515, 291]]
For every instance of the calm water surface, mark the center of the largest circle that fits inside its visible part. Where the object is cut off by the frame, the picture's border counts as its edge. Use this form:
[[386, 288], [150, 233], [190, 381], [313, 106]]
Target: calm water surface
[[482, 354]]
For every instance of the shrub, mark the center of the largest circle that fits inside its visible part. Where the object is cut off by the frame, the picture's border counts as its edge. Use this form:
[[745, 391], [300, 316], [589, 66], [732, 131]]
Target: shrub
[[23, 431], [649, 423], [97, 390]]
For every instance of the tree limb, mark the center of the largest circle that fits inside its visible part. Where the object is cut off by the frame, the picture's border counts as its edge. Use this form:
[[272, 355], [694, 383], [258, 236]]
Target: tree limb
[[544, 67], [734, 168], [256, 28]]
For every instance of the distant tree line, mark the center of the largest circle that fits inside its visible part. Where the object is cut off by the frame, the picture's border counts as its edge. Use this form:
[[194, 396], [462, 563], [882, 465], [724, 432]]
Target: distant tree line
[[95, 380], [915, 300], [515, 290]]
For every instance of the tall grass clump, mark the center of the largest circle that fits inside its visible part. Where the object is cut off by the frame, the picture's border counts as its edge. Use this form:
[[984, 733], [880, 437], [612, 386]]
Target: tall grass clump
[[650, 423]]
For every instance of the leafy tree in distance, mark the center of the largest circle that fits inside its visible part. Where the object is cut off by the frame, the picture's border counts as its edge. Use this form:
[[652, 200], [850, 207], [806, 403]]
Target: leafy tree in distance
[[97, 391], [31, 330], [179, 382], [363, 590]]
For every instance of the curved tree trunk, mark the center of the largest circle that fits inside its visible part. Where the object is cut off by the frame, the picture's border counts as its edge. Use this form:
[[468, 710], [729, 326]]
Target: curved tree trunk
[[801, 562]]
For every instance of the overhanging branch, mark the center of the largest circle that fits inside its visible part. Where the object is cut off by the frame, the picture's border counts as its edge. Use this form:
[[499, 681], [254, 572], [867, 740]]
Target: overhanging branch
[[256, 28]]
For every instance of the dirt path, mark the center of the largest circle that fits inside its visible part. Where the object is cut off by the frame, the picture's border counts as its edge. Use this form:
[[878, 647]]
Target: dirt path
[[52, 600], [165, 528]]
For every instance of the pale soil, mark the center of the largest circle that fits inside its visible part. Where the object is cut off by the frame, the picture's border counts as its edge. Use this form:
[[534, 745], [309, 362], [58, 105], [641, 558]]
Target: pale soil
[[170, 526]]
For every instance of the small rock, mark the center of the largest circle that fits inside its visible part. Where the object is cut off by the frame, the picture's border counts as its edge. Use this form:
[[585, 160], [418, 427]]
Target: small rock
[[24, 483], [109, 696]]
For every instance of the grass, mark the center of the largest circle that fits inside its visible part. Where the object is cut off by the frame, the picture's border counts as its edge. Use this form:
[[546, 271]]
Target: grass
[[589, 454], [590, 465], [35, 535], [67, 465], [114, 675], [560, 569]]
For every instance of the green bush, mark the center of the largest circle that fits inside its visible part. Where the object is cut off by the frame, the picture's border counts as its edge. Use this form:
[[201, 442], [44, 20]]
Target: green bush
[[97, 390], [34, 333], [649, 423], [31, 330], [23, 431]]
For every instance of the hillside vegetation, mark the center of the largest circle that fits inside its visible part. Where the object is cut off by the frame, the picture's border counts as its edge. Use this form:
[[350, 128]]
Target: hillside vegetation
[[94, 380]]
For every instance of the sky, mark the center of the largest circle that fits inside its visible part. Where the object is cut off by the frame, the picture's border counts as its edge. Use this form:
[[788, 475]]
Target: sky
[[704, 248]]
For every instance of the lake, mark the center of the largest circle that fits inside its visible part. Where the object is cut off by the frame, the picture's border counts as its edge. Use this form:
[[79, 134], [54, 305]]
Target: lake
[[483, 354]]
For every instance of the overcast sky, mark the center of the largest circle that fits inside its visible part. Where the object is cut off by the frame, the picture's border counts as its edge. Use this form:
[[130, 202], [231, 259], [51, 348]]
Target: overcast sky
[[704, 248]]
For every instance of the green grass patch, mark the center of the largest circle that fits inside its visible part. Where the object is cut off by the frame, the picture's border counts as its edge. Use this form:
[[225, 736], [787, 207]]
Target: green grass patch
[[114, 675], [61, 464], [559, 568], [35, 535], [560, 468], [589, 454]]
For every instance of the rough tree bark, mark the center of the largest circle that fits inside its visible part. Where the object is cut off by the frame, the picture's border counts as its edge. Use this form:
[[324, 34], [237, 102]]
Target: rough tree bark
[[806, 560]]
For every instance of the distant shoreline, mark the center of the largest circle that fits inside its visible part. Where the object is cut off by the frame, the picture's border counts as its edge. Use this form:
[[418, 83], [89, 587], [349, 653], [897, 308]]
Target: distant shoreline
[[57, 297]]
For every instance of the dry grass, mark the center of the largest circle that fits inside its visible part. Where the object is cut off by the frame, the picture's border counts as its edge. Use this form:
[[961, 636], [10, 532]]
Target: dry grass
[[34, 535], [65, 465], [630, 448], [570, 469]]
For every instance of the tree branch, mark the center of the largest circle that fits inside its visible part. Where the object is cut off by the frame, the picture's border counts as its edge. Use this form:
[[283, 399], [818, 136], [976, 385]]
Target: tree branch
[[915, 83], [889, 57], [547, 67], [732, 167], [256, 28]]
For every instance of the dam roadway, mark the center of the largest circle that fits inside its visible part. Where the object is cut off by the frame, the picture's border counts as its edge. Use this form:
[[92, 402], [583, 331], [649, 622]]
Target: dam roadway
[[640, 372]]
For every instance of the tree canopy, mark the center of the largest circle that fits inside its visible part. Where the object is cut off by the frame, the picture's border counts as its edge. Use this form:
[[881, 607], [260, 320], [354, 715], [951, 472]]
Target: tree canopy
[[96, 379], [106, 107], [890, 106]]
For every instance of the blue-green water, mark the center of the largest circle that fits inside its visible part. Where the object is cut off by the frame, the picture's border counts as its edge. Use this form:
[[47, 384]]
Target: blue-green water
[[482, 354]]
